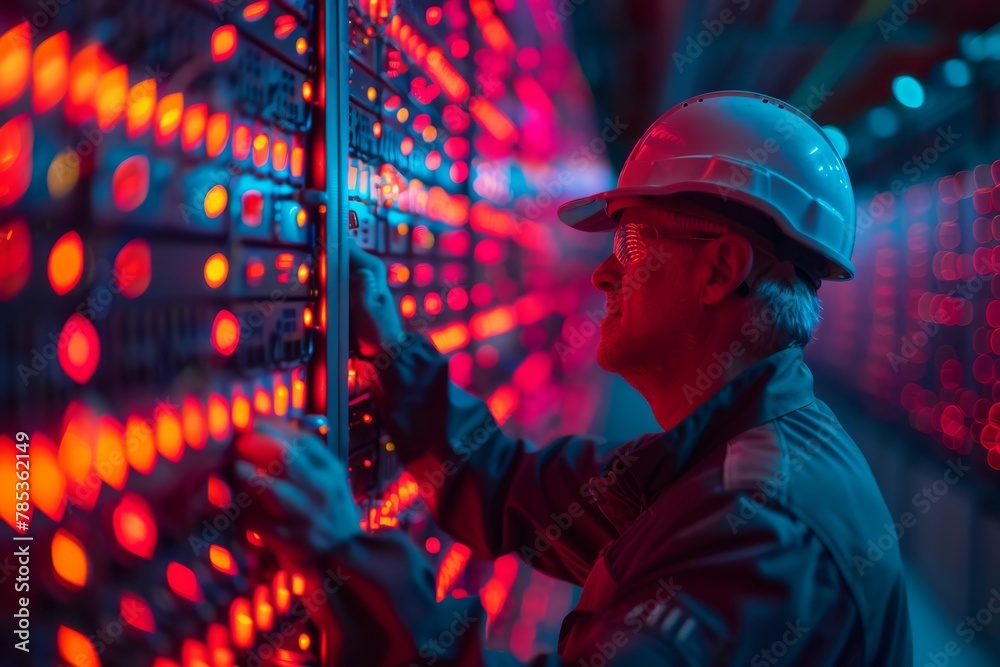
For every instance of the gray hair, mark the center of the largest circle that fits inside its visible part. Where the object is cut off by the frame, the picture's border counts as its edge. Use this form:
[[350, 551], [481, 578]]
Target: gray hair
[[786, 310]]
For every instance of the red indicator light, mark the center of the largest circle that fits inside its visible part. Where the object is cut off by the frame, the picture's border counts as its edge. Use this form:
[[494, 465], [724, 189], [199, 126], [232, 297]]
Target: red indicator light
[[69, 560], [216, 200], [282, 596], [193, 127], [252, 208], [260, 143], [408, 306], [216, 134], [432, 303], [301, 45], [66, 263], [134, 525], [168, 117], [15, 61], [49, 494], [140, 449], [452, 337], [110, 462], [254, 271], [241, 623], [169, 437], [284, 25], [84, 71], [241, 142], [136, 612], [134, 268], [183, 582], [279, 155], [284, 261], [433, 160], [216, 270], [433, 15], [193, 423], [82, 349], [221, 559], [50, 71], [262, 610], [16, 140], [307, 91], [262, 402], [298, 161], [140, 107], [303, 273], [433, 545], [112, 90], [130, 183], [223, 42], [15, 255], [225, 332], [76, 649], [241, 412], [406, 146], [256, 10], [218, 417], [298, 394]]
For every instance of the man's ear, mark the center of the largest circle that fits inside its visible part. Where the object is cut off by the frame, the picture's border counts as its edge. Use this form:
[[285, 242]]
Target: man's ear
[[728, 261]]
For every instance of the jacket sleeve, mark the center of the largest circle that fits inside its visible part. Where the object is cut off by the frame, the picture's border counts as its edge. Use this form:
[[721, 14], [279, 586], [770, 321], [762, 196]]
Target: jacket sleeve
[[727, 582], [493, 493]]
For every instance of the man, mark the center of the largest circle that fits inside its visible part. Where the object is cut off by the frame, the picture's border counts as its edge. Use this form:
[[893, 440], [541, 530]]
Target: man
[[737, 536]]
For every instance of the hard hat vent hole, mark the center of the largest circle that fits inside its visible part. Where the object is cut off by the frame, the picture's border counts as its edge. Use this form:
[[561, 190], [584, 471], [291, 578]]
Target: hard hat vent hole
[[685, 104], [701, 99]]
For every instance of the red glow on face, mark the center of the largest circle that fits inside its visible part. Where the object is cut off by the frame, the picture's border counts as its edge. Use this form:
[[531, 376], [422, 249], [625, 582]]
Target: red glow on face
[[183, 582], [79, 349], [130, 183], [140, 107], [134, 268], [66, 263], [193, 127], [241, 142], [135, 527], [15, 257], [225, 332], [15, 59], [136, 612], [223, 42], [50, 71], [16, 141], [169, 111]]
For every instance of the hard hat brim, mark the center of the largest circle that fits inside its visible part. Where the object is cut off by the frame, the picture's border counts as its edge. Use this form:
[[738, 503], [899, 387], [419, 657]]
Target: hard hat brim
[[590, 214]]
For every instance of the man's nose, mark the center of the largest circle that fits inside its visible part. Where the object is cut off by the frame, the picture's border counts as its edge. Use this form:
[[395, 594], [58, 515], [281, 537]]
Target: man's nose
[[608, 274]]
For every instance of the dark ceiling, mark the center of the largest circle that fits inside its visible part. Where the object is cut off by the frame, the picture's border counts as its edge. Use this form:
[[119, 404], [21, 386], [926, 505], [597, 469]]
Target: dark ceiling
[[644, 56]]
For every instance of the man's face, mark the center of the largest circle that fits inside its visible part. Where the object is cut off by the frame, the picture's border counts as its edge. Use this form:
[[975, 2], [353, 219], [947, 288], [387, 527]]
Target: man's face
[[651, 304]]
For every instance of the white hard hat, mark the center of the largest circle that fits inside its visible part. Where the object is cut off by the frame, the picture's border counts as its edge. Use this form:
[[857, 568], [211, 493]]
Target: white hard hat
[[748, 150]]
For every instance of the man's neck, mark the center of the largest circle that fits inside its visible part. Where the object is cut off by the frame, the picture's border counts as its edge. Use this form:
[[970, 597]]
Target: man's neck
[[674, 396]]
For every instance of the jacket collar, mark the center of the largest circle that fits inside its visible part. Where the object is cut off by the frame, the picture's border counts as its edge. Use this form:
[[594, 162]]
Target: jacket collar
[[641, 468]]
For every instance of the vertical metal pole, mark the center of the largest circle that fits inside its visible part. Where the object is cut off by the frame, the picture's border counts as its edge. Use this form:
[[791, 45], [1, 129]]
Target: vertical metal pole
[[335, 72]]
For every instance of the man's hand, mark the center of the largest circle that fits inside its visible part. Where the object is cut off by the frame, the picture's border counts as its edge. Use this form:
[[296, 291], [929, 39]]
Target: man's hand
[[374, 315], [301, 501]]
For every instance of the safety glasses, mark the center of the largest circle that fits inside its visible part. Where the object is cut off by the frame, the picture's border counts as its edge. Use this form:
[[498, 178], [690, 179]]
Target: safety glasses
[[630, 240]]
